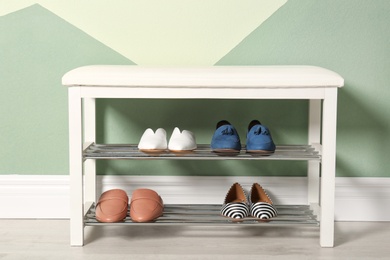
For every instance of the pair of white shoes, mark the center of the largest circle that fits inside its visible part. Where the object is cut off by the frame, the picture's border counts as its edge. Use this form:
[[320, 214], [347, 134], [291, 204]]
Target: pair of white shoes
[[157, 141]]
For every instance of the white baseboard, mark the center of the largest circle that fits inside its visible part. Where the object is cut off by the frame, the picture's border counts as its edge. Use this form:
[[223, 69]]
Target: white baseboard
[[47, 196], [34, 196]]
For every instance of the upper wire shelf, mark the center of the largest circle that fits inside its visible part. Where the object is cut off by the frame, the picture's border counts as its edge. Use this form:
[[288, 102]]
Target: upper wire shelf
[[203, 152]]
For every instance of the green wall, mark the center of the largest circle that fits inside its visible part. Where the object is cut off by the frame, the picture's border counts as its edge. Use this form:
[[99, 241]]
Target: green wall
[[351, 37]]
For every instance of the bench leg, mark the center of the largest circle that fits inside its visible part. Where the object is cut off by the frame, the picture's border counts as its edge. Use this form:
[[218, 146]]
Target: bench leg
[[75, 168], [328, 168]]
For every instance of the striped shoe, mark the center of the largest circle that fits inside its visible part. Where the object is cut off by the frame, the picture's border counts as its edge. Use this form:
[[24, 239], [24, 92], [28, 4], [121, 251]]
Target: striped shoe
[[236, 203], [261, 206]]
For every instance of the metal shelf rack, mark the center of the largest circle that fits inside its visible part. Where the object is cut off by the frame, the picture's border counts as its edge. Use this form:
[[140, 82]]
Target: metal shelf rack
[[203, 152], [209, 214]]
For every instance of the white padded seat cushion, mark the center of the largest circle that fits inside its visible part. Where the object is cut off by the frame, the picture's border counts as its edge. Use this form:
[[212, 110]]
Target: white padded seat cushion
[[212, 76]]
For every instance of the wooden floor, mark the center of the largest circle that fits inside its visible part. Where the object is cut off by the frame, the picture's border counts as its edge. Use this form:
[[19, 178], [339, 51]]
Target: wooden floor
[[49, 239]]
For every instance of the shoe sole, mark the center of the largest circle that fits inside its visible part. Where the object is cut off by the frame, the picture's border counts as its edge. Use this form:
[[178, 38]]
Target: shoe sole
[[181, 151], [248, 218], [153, 150], [235, 220], [264, 152], [165, 151], [225, 151]]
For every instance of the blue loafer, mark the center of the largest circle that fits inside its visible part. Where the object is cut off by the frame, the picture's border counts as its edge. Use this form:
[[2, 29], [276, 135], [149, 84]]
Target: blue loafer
[[259, 139], [225, 138]]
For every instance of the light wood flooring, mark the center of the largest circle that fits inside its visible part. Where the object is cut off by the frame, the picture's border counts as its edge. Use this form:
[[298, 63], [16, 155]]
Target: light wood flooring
[[49, 239]]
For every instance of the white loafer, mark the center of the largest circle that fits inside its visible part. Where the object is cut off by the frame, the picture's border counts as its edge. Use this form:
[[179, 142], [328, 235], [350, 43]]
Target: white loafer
[[182, 141], [153, 141]]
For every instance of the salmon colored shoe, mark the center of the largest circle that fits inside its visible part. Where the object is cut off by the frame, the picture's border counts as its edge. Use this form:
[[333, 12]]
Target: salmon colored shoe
[[145, 206], [112, 206]]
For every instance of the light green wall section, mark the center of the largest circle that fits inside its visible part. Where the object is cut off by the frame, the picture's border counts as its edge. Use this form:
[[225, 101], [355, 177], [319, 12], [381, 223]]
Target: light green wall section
[[350, 37], [169, 32]]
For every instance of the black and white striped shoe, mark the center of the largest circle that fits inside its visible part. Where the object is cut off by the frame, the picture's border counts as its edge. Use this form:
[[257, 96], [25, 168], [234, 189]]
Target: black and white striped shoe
[[261, 205], [236, 204]]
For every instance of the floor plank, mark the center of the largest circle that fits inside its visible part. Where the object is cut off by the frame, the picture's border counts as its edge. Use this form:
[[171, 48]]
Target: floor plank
[[49, 239]]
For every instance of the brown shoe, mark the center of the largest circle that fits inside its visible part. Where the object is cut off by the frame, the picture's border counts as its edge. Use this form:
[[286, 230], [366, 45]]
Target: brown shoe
[[112, 206], [145, 206]]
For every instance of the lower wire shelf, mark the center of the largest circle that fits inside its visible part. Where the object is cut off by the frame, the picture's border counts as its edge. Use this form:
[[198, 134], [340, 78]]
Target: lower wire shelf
[[209, 214]]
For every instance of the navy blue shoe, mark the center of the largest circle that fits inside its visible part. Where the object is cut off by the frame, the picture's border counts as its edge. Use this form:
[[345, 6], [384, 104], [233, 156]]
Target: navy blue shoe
[[259, 139], [225, 138]]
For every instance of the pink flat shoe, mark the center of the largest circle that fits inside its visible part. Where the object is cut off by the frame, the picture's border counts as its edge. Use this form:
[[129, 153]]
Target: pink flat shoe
[[145, 206], [112, 206]]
